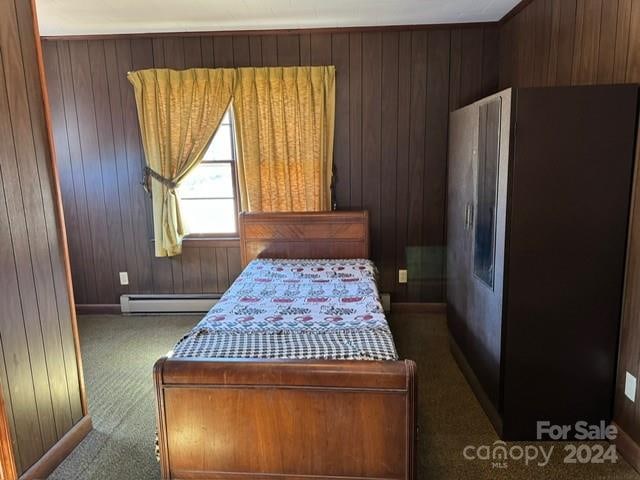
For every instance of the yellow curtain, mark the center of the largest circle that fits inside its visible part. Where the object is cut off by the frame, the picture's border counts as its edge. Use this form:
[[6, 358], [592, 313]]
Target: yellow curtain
[[179, 112], [284, 123]]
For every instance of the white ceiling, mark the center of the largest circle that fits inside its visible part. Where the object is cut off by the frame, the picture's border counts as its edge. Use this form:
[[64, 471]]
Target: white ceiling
[[85, 17]]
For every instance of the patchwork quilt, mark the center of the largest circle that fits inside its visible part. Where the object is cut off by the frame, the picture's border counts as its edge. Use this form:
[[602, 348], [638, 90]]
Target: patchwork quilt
[[296, 309]]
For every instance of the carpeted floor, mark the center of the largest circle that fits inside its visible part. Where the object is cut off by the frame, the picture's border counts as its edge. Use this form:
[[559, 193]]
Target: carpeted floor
[[119, 352]]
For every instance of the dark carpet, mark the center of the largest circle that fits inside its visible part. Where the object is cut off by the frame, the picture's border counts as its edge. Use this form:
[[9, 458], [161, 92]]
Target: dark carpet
[[119, 353]]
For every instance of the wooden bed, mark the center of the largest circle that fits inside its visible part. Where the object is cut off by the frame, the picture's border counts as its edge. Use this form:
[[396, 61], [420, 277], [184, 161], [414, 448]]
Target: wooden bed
[[285, 419]]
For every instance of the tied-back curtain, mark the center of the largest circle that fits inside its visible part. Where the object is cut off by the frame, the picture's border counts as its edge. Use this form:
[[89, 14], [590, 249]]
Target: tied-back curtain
[[285, 123], [179, 112]]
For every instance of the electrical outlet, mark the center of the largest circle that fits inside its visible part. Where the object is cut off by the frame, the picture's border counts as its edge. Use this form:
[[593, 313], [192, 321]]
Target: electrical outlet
[[402, 276], [124, 278], [630, 387]]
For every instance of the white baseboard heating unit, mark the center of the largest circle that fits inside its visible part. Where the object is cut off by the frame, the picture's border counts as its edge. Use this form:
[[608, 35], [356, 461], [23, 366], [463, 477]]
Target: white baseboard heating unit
[[168, 304]]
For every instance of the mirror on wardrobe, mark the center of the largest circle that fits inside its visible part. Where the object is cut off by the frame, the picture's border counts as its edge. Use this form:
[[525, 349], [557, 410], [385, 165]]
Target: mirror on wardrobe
[[486, 191]]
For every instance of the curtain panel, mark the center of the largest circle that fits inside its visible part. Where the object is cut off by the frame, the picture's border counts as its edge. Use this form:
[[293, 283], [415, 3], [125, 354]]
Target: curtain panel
[[179, 111], [285, 126]]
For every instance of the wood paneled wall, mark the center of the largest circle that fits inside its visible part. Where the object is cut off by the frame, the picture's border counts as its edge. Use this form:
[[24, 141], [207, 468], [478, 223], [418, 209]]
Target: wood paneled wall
[[394, 93], [38, 366], [571, 42], [576, 42]]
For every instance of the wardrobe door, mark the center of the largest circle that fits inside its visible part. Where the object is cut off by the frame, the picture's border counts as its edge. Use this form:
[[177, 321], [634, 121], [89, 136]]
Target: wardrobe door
[[462, 149], [484, 303], [571, 183]]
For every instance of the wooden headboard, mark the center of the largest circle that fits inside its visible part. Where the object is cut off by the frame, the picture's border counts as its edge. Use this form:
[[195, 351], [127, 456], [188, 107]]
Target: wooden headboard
[[304, 235]]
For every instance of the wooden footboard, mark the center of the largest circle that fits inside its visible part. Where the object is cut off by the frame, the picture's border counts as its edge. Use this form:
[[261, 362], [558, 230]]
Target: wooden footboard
[[286, 419]]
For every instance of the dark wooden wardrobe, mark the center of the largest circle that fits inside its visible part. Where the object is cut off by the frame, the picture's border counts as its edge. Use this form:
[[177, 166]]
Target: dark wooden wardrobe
[[538, 206]]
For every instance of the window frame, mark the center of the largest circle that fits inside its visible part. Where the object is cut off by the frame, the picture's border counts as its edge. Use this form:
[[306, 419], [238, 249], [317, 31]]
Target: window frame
[[201, 238]]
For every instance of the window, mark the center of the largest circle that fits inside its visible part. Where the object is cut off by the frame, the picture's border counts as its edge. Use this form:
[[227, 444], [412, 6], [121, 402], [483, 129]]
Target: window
[[208, 195]]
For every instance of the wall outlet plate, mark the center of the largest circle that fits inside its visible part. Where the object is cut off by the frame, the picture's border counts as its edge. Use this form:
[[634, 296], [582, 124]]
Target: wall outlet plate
[[124, 278], [402, 276], [630, 387]]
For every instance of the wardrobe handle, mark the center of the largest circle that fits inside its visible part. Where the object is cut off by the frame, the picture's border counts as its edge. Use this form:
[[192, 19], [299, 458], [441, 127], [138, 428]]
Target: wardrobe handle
[[468, 216]]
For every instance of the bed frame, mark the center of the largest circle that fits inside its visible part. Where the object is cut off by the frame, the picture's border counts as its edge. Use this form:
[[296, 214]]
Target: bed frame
[[257, 419]]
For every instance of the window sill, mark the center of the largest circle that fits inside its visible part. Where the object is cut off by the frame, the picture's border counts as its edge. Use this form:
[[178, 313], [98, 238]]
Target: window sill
[[204, 241]]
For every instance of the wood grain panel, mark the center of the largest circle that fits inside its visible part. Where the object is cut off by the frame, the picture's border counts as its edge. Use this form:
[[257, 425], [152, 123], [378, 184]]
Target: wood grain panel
[[174, 52], [417, 134], [367, 406], [305, 232], [269, 51], [566, 42], [379, 127], [206, 50], [63, 158], [255, 51], [623, 25], [136, 54], [223, 51], [39, 374], [92, 168], [116, 89], [355, 119], [388, 162], [241, 52], [193, 52], [593, 42], [471, 58], [25, 211], [342, 170], [21, 390], [304, 235], [585, 65], [430, 276], [402, 173], [371, 132], [191, 271], [607, 44], [633, 50], [279, 427], [222, 267], [288, 50]]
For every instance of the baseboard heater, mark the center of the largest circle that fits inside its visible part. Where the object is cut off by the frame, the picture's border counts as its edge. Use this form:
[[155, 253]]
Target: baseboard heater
[[159, 304]]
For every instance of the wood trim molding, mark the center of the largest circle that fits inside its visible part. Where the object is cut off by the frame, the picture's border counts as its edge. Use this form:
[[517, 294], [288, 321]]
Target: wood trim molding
[[628, 331], [285, 31], [8, 470], [408, 307], [210, 242], [514, 11], [56, 454], [57, 195], [98, 308], [627, 447]]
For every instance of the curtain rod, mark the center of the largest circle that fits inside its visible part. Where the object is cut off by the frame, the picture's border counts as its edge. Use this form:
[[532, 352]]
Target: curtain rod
[[213, 68]]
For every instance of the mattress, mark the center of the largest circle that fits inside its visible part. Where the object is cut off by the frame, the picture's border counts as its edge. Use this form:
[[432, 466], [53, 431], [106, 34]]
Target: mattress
[[295, 309]]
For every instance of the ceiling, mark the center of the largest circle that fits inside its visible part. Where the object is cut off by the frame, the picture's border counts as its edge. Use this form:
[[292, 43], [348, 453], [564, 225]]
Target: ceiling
[[86, 17]]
